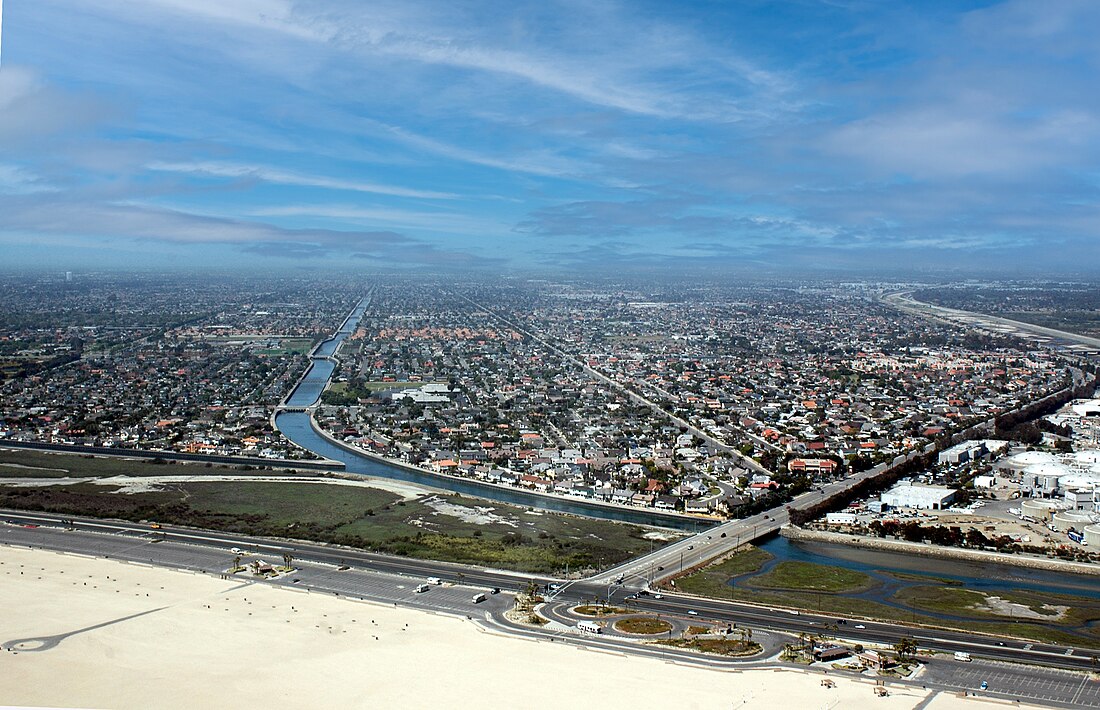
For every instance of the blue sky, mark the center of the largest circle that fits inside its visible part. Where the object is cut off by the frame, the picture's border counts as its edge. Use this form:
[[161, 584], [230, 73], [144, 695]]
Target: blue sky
[[574, 136]]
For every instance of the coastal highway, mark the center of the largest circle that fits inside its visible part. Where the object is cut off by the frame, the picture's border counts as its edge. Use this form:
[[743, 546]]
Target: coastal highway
[[177, 547]]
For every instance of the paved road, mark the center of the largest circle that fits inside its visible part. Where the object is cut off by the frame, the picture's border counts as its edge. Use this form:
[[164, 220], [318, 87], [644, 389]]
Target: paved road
[[393, 580]]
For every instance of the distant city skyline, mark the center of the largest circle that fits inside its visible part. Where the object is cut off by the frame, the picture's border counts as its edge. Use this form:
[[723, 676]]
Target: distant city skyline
[[958, 137]]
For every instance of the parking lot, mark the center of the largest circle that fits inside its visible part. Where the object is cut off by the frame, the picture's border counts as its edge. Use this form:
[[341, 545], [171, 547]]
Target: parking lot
[[1012, 681]]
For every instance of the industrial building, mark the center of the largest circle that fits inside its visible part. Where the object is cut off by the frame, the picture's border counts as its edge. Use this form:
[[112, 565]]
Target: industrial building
[[908, 495]]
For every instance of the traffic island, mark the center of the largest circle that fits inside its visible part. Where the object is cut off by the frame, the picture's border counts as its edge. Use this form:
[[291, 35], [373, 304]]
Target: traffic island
[[735, 648]]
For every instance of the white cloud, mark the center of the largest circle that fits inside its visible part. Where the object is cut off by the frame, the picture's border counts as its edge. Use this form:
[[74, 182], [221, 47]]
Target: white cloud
[[286, 177], [443, 222], [15, 180]]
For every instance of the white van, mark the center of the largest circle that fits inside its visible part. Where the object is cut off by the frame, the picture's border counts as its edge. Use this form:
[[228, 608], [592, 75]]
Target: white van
[[435, 580], [478, 598], [422, 588], [962, 656]]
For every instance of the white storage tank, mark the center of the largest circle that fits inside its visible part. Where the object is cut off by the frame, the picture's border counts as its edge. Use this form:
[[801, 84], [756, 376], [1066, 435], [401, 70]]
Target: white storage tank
[[1066, 519], [1038, 509], [1092, 535]]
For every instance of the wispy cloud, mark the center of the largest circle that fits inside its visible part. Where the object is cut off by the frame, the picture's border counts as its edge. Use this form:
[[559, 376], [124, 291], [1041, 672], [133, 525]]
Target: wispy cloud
[[442, 222], [287, 177]]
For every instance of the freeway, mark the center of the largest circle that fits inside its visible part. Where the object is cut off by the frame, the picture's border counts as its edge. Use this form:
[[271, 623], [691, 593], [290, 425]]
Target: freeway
[[904, 301], [177, 547]]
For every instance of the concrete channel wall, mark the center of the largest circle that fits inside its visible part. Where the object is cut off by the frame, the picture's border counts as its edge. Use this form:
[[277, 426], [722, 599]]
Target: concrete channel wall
[[955, 553]]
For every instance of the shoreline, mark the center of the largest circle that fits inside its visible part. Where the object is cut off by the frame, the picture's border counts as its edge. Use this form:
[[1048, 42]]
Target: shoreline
[[957, 553]]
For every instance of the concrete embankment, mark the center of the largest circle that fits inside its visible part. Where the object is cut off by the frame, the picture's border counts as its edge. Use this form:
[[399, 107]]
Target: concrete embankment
[[955, 553]]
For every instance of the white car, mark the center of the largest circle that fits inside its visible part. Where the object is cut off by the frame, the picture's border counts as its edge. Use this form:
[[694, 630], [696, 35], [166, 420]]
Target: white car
[[658, 596], [860, 626], [693, 612]]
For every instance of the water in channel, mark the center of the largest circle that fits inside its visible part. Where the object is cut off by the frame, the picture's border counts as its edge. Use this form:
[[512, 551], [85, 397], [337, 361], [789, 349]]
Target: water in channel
[[297, 427]]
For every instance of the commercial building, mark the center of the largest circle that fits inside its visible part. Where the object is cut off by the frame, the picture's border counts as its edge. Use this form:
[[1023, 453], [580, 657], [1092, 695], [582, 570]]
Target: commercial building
[[916, 496]]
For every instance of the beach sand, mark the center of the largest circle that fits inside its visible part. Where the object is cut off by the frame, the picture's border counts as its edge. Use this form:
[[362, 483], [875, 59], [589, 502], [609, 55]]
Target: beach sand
[[201, 641]]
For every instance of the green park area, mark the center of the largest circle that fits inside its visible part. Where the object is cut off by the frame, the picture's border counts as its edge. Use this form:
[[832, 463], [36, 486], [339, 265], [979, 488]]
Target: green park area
[[289, 346], [430, 526]]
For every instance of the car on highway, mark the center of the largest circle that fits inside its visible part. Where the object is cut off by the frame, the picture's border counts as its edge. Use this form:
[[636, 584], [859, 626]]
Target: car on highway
[[860, 626], [155, 526], [793, 612], [693, 612], [658, 596]]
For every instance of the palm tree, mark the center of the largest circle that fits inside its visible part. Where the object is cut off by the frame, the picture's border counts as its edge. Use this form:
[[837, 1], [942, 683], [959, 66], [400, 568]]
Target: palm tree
[[905, 648]]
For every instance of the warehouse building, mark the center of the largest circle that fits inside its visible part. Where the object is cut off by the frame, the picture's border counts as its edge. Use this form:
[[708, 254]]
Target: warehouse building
[[908, 495]]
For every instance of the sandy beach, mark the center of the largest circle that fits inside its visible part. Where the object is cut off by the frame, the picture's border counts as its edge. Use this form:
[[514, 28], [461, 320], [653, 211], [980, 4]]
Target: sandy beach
[[117, 635]]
